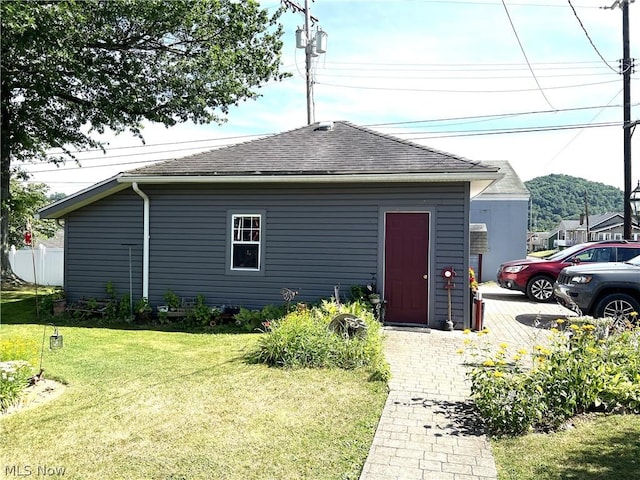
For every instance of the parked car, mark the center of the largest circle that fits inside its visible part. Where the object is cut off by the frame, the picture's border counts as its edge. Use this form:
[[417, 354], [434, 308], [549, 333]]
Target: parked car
[[535, 277], [604, 290]]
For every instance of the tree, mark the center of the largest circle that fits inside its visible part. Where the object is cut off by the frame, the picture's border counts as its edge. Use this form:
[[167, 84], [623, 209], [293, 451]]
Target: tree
[[72, 69], [24, 202]]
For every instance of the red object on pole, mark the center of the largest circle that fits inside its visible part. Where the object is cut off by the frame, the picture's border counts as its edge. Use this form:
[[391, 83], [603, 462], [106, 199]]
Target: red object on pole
[[27, 237]]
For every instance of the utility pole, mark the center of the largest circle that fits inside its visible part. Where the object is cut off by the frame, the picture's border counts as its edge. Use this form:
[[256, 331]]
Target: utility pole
[[626, 66], [308, 51], [313, 42]]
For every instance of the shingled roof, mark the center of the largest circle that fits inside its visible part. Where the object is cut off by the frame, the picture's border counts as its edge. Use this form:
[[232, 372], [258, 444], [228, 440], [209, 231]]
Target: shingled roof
[[323, 152], [331, 148]]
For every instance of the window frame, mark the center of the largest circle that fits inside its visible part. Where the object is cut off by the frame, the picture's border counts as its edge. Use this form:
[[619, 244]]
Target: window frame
[[232, 242]]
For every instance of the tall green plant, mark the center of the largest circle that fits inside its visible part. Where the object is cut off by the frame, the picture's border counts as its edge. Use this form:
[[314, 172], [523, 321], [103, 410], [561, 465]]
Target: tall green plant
[[302, 339], [584, 368]]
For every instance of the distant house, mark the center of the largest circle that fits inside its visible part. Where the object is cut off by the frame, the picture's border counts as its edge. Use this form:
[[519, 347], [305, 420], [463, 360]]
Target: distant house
[[606, 226], [504, 209], [329, 204]]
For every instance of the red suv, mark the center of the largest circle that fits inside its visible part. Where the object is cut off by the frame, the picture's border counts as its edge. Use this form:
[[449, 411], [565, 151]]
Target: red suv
[[536, 277]]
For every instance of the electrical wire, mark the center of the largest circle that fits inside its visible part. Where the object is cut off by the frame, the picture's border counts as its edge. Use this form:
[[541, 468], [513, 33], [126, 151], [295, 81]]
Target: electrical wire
[[512, 131], [515, 32], [582, 130], [495, 115], [589, 38], [360, 87]]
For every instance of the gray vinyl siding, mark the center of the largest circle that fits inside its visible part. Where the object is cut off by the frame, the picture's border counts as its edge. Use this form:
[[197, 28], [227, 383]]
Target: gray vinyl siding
[[315, 237], [506, 222], [95, 250]]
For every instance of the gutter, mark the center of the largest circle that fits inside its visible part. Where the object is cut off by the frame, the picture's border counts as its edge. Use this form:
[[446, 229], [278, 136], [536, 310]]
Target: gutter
[[464, 176], [145, 243]]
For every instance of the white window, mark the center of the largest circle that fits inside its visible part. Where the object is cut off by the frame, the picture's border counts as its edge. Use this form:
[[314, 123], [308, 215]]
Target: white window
[[246, 234], [617, 236]]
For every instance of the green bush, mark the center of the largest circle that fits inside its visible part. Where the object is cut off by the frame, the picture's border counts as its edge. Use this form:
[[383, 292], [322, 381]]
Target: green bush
[[584, 368], [14, 377], [302, 339]]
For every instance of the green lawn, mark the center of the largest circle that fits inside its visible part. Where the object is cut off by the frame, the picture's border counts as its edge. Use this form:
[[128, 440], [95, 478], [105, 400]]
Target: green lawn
[[170, 405], [598, 448]]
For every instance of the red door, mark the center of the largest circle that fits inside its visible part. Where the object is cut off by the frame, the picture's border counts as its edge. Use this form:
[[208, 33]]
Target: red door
[[406, 266]]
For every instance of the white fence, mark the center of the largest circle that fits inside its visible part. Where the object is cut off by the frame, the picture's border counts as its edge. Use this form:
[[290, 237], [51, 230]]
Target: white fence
[[49, 265]]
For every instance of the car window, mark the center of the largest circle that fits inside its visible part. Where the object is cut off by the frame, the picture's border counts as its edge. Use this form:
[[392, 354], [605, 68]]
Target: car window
[[593, 255], [625, 254]]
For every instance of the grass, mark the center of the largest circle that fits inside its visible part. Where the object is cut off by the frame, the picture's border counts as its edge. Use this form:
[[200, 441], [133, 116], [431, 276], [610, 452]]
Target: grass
[[174, 405], [598, 448]]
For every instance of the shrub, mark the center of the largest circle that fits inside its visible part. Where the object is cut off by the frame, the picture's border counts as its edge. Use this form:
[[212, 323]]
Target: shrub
[[199, 314], [302, 339], [583, 368], [14, 377]]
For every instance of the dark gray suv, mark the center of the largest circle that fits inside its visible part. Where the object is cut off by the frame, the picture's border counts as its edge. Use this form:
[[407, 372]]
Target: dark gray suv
[[601, 290]]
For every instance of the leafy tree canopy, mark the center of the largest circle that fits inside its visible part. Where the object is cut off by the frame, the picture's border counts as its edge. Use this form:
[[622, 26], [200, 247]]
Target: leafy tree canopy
[[24, 202], [70, 69], [557, 197]]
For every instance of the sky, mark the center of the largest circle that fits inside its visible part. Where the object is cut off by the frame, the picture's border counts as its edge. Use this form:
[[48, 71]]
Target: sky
[[527, 81]]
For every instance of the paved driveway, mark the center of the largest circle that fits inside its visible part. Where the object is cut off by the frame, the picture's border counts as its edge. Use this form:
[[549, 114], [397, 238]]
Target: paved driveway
[[427, 430]]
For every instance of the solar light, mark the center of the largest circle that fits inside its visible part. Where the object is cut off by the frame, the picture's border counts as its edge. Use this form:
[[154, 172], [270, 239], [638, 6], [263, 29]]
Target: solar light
[[55, 340]]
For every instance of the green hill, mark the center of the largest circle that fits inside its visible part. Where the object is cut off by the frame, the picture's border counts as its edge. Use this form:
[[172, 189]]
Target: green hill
[[556, 197]]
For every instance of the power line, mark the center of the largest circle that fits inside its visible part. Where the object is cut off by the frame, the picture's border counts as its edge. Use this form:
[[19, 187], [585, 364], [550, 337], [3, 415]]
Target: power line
[[490, 116], [360, 87], [432, 135], [500, 77], [513, 27], [589, 37], [404, 124], [146, 145], [512, 131], [582, 130]]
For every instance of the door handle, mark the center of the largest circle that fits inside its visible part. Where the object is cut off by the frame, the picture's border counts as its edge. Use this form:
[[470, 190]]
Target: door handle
[[425, 276]]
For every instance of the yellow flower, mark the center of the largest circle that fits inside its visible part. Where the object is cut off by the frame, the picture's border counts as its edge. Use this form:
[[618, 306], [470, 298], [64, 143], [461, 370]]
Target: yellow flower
[[460, 351], [634, 314], [504, 345], [488, 363], [574, 327], [498, 373], [537, 348], [516, 358], [523, 351], [554, 330], [466, 331], [560, 321], [467, 341], [588, 327]]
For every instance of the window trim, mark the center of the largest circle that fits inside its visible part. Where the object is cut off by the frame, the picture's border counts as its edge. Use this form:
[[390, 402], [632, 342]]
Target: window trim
[[231, 216]]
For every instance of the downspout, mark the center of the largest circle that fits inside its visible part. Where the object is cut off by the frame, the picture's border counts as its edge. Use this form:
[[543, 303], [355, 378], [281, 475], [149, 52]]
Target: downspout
[[145, 244]]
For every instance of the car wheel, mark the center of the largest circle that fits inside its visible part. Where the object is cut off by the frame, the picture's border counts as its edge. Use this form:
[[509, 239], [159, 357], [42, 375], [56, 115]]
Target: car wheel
[[540, 289], [618, 306]]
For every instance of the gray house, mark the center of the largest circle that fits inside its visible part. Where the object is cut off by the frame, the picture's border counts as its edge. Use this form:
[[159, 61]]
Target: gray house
[[504, 209], [323, 205]]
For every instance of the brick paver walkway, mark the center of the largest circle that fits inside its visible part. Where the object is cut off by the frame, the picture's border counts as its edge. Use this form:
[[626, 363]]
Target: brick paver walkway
[[427, 429]]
